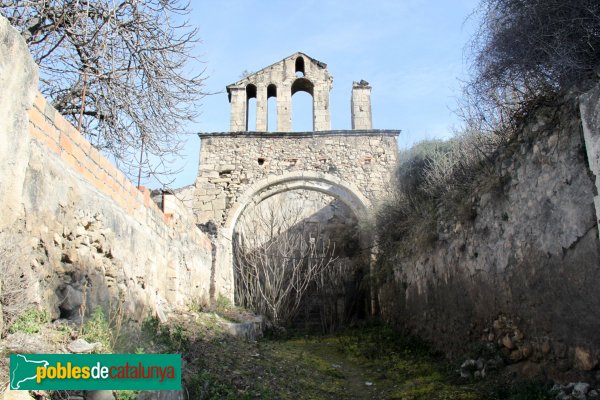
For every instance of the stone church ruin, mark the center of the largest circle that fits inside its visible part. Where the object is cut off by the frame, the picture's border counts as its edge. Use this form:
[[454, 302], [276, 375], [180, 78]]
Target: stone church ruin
[[333, 176]]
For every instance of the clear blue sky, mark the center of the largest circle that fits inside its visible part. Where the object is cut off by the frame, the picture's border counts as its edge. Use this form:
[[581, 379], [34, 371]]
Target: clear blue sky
[[412, 52]]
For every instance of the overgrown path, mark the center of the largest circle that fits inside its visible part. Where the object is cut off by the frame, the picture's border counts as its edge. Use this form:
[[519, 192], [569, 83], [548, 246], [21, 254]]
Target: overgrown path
[[366, 363], [359, 366]]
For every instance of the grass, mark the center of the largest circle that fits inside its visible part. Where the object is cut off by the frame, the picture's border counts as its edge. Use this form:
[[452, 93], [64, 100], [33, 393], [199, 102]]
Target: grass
[[97, 329], [30, 321], [368, 362]]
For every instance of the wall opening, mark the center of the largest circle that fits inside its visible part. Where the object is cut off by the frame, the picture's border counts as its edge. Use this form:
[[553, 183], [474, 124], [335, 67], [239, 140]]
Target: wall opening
[[250, 107], [271, 108], [302, 105], [300, 67], [272, 234]]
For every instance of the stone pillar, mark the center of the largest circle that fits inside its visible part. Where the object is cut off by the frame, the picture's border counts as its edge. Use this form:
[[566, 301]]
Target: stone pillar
[[589, 107], [18, 87], [261, 108], [238, 109], [321, 117], [284, 109], [361, 105]]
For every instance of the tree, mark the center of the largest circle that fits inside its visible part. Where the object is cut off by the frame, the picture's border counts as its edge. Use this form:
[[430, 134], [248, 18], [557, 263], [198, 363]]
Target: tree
[[278, 258], [118, 70], [526, 50]]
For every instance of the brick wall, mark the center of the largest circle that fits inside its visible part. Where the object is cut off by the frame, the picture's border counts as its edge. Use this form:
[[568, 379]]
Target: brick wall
[[60, 137]]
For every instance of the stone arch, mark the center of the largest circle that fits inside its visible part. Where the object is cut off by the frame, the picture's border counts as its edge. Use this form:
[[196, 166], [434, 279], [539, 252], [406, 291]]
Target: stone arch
[[345, 191], [251, 92], [304, 85], [272, 93], [299, 66]]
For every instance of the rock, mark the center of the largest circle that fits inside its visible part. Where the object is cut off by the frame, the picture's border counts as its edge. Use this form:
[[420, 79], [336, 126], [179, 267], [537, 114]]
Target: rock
[[580, 390], [526, 351], [99, 395], [546, 347], [584, 360], [516, 355], [73, 298], [23, 343], [592, 394], [16, 395], [518, 336], [161, 395], [81, 346], [507, 342], [467, 368], [480, 363]]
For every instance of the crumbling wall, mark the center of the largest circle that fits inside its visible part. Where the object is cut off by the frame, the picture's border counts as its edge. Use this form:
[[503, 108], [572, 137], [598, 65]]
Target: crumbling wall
[[230, 164], [530, 257], [95, 238]]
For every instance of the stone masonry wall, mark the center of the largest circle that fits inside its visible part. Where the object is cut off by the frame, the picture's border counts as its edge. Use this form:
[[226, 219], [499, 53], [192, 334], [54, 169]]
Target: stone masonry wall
[[524, 274], [230, 163], [282, 76], [361, 106], [589, 106], [92, 235]]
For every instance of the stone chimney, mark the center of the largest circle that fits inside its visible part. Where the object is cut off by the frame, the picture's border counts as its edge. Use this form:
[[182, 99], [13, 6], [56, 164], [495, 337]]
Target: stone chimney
[[361, 105]]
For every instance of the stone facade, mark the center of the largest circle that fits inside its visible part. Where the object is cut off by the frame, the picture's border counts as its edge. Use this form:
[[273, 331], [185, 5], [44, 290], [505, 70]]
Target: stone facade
[[295, 73], [231, 165]]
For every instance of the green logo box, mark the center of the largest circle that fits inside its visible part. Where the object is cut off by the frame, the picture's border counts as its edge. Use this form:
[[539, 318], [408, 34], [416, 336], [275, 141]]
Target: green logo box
[[95, 371]]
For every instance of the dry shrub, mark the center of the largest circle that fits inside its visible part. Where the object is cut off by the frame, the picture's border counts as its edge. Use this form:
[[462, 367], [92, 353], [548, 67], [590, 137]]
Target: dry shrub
[[15, 281], [436, 181], [527, 51]]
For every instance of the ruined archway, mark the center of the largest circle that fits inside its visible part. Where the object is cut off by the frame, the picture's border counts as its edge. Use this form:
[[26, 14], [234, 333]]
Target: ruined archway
[[344, 191], [241, 167]]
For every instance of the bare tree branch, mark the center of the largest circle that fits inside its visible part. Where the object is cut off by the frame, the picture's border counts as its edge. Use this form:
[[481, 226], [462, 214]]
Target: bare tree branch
[[123, 66]]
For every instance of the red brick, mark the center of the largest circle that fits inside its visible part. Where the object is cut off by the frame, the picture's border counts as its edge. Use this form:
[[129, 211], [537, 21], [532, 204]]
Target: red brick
[[79, 154], [65, 143], [40, 101], [61, 123], [36, 133], [37, 118]]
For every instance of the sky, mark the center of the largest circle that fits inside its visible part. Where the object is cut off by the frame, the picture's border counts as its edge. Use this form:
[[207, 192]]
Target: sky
[[412, 52]]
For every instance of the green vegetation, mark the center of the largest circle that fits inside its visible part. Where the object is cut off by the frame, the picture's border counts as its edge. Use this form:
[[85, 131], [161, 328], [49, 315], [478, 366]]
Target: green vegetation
[[127, 394], [97, 329], [30, 321]]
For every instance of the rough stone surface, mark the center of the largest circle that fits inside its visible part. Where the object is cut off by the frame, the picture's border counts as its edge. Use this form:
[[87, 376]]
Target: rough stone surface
[[15, 395], [99, 395], [361, 106], [161, 395], [232, 167], [585, 361], [531, 253], [94, 238], [22, 343], [589, 105], [81, 346], [18, 86], [282, 79]]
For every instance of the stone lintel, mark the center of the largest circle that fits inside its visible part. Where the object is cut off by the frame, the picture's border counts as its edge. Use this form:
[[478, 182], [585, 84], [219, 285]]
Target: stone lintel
[[358, 132]]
